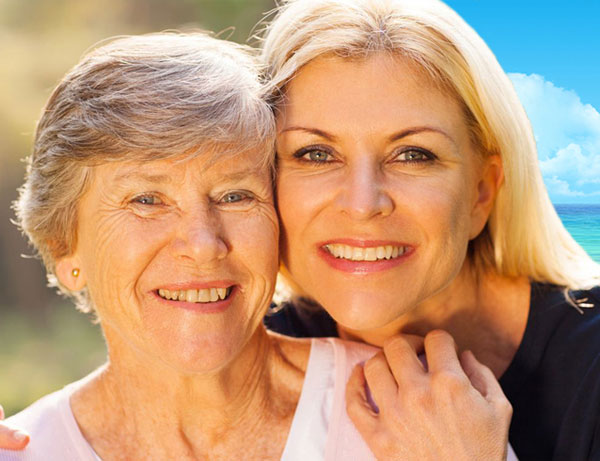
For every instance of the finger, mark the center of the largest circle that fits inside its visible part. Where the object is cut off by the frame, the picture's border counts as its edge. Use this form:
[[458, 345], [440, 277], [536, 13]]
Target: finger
[[440, 350], [358, 406], [1, 413], [380, 381], [12, 439], [482, 378], [402, 355]]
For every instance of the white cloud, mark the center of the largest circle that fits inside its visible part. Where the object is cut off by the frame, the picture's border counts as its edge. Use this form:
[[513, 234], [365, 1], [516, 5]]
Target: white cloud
[[568, 138]]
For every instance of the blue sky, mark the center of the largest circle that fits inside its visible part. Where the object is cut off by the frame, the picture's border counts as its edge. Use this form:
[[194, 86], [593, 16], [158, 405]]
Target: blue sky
[[551, 52]]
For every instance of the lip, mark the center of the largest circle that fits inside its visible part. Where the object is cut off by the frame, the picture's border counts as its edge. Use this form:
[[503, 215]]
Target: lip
[[363, 267], [201, 308]]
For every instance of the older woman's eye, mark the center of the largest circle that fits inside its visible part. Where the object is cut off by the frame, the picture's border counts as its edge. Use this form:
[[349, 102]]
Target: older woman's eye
[[415, 156], [235, 197], [147, 199]]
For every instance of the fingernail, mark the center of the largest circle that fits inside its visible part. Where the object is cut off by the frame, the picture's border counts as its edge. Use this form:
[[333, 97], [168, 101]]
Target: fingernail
[[20, 436]]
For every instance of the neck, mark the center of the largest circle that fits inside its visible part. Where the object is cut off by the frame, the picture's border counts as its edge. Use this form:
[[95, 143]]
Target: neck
[[139, 404], [484, 312]]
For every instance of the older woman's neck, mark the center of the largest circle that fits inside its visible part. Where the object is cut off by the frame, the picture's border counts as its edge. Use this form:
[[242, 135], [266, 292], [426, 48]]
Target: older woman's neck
[[484, 312], [148, 401]]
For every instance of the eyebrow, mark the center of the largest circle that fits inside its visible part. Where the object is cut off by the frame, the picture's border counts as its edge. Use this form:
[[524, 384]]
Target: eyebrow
[[137, 175], [321, 133], [394, 137]]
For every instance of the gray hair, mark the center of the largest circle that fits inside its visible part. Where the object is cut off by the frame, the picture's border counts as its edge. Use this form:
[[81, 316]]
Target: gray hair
[[149, 97]]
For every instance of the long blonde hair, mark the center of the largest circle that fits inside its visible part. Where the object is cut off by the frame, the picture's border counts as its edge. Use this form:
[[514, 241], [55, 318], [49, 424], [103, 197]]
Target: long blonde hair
[[524, 235]]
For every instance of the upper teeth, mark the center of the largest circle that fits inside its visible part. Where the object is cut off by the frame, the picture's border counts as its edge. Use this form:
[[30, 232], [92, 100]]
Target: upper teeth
[[365, 254], [205, 295]]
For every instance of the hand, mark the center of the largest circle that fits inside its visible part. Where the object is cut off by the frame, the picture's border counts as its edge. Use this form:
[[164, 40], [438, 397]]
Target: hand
[[455, 410], [12, 439]]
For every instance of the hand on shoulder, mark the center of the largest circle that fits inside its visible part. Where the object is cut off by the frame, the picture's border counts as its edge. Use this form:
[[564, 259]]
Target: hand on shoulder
[[453, 408]]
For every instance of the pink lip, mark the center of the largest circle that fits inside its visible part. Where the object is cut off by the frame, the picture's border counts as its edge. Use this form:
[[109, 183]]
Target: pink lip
[[201, 308], [363, 267]]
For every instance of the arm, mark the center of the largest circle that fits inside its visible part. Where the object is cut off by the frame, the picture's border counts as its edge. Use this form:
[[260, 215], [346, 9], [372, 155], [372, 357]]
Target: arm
[[455, 410], [12, 439]]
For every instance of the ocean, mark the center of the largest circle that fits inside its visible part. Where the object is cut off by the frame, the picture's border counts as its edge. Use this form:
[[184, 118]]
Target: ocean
[[583, 222]]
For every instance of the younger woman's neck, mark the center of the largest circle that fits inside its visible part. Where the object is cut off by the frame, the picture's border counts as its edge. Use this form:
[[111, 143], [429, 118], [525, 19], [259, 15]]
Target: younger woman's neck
[[483, 311]]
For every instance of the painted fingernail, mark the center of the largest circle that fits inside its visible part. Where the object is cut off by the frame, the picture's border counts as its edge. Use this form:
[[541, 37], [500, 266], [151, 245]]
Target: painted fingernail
[[20, 436]]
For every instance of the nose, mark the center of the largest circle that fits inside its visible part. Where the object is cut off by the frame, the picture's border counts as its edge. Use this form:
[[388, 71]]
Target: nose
[[199, 237], [363, 193]]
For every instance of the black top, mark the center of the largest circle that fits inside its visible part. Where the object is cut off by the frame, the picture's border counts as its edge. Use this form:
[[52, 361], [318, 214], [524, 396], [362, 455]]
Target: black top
[[553, 382]]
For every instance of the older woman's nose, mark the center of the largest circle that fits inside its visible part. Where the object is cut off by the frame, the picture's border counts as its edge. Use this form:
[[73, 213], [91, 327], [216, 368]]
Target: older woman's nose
[[200, 238], [363, 194]]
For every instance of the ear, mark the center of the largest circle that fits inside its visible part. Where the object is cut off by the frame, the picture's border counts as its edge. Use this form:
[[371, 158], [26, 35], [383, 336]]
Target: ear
[[70, 273], [489, 182]]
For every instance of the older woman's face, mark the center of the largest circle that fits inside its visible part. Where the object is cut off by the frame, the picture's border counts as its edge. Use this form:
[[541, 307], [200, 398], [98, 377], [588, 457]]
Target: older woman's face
[[379, 188], [180, 257]]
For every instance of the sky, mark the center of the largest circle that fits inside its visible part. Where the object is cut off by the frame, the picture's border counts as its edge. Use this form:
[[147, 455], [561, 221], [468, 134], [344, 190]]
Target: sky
[[551, 52]]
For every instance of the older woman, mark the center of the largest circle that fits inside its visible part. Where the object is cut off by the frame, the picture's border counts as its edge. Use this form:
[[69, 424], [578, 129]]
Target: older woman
[[410, 200], [149, 198]]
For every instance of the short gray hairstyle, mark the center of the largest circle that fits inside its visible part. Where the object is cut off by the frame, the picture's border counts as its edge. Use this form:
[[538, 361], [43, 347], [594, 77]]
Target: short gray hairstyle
[[137, 98]]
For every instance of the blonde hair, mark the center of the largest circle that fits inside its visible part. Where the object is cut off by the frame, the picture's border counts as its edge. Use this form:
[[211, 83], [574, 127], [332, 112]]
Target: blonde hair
[[524, 235], [141, 98]]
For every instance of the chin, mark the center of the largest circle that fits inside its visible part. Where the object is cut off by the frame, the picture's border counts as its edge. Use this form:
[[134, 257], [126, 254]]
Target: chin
[[363, 311]]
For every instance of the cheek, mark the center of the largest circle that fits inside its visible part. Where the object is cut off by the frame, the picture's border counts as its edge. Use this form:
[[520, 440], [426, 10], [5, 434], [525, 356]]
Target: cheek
[[118, 250], [255, 239]]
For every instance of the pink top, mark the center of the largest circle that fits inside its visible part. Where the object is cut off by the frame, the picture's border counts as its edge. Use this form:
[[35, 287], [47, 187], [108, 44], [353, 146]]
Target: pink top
[[321, 428]]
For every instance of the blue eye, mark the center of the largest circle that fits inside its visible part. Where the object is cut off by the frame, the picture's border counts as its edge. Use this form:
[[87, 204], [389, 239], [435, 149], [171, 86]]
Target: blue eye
[[234, 197], [147, 199]]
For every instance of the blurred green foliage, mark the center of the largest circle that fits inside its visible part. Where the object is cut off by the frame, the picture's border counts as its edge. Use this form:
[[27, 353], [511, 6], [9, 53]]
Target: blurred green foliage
[[42, 354], [44, 342]]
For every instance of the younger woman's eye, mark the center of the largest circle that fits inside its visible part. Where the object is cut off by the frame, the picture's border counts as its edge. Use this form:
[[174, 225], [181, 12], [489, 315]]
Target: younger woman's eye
[[313, 154], [147, 199], [413, 155]]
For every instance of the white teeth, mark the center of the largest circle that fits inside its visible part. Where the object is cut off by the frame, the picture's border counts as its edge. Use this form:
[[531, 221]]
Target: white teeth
[[192, 296], [370, 254], [204, 296], [358, 254], [388, 251], [365, 254]]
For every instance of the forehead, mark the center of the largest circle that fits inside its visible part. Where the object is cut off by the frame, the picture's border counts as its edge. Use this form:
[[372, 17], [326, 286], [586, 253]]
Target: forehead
[[381, 88], [214, 166]]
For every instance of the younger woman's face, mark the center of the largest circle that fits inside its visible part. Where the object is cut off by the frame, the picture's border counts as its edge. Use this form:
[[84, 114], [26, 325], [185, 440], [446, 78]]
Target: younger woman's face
[[379, 187]]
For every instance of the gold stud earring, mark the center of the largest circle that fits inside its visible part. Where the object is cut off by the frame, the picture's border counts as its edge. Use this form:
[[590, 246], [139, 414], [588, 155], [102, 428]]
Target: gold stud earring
[[75, 272]]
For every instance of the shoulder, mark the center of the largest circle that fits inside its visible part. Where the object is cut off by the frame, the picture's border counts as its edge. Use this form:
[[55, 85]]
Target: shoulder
[[553, 382], [54, 432]]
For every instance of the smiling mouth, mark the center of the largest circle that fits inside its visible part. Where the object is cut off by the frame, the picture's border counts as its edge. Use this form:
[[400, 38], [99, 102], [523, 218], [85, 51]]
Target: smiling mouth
[[205, 295], [377, 253]]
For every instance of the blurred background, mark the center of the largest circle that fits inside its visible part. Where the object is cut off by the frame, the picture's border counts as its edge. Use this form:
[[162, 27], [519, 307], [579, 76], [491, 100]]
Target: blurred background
[[44, 342]]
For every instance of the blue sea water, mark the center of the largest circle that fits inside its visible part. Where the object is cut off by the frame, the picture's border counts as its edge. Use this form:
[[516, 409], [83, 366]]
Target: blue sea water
[[583, 222]]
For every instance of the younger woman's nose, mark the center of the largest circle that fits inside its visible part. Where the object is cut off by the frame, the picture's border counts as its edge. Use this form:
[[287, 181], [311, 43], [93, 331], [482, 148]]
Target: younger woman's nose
[[363, 193]]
